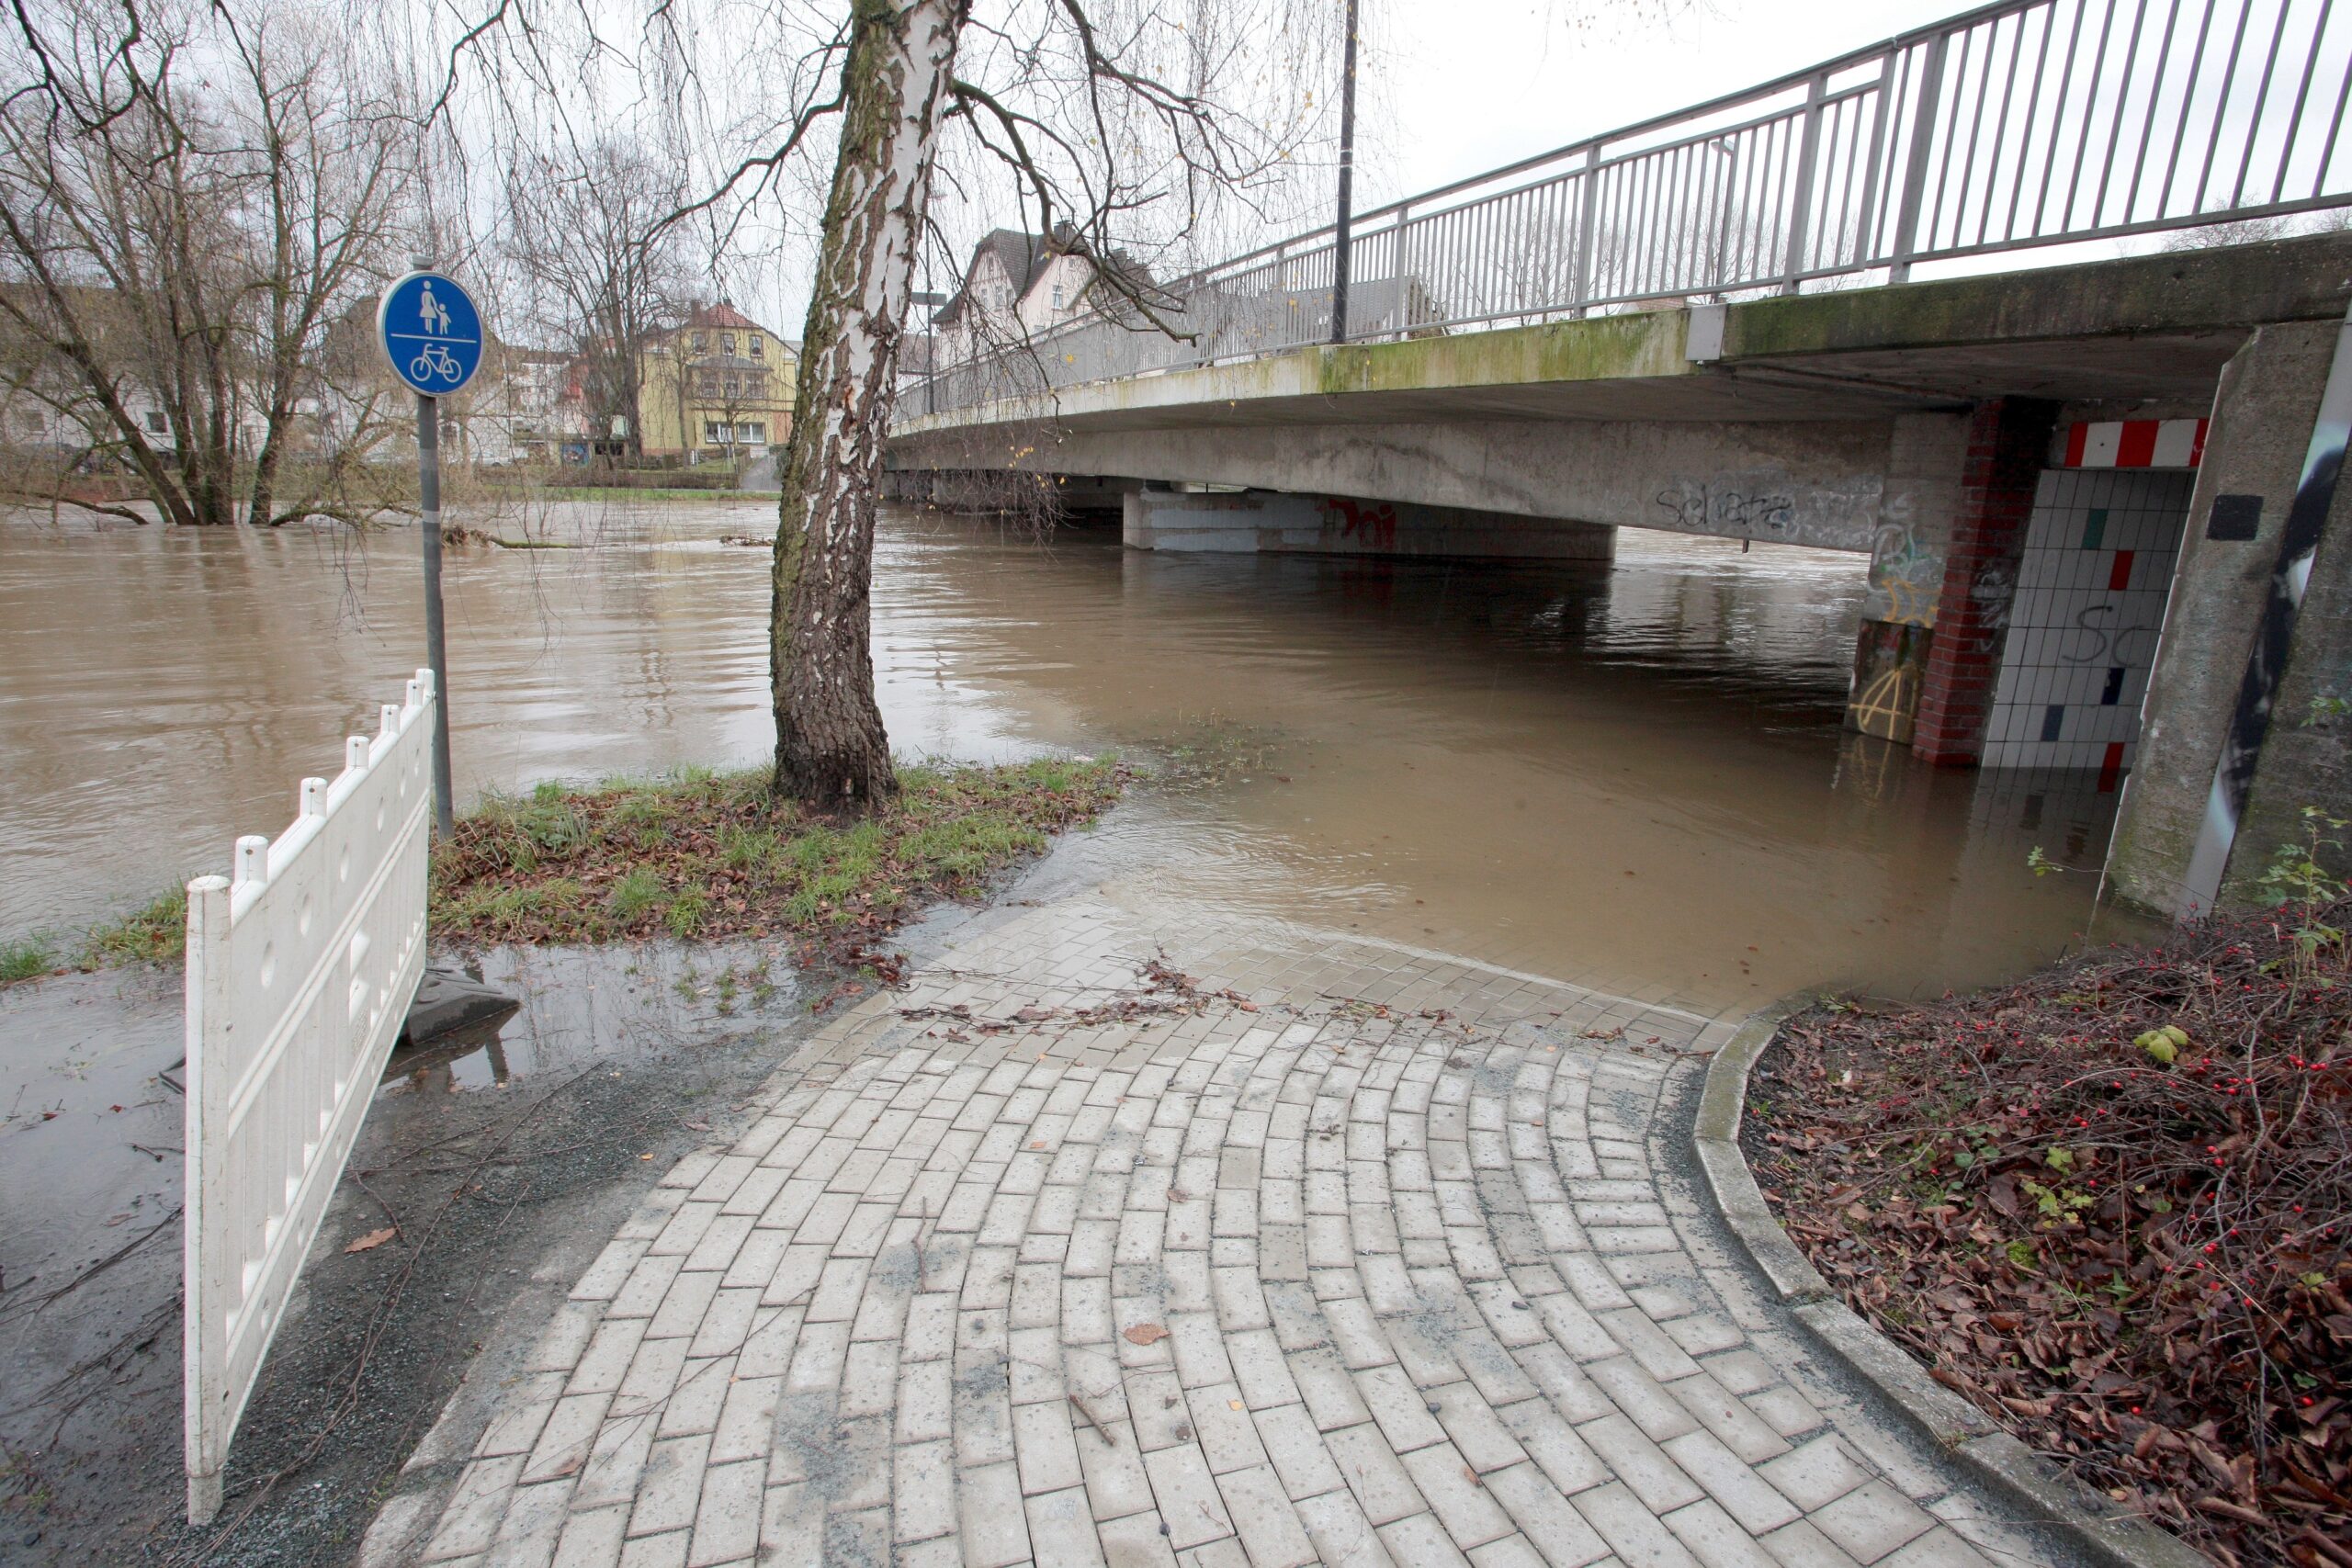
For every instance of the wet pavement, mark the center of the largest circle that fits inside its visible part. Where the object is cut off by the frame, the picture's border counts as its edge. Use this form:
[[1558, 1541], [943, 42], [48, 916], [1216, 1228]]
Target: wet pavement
[[506, 1159], [1331, 1251]]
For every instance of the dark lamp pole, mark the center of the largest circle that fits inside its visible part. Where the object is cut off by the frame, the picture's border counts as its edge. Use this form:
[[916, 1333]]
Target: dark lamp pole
[[1340, 257]]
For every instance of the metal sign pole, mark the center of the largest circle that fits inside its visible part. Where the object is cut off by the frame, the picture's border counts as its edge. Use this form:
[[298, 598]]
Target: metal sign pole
[[433, 337], [432, 334], [428, 486]]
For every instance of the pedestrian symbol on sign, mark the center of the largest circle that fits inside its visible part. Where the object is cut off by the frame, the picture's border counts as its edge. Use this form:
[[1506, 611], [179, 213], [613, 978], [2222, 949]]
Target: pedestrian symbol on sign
[[432, 332]]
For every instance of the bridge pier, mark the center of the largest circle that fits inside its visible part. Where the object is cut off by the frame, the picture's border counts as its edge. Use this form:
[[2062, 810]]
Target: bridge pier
[[1952, 527], [1269, 522]]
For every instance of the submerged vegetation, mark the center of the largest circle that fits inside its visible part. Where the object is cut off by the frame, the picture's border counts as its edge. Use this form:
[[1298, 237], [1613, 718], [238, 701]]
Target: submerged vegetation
[[696, 854], [157, 931]]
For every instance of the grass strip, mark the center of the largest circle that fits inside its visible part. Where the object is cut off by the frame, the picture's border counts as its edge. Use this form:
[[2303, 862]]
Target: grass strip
[[694, 854]]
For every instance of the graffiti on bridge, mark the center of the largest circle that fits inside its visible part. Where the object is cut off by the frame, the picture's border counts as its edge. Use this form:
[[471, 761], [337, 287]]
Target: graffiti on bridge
[[1714, 508], [2094, 642], [1906, 576], [1373, 527]]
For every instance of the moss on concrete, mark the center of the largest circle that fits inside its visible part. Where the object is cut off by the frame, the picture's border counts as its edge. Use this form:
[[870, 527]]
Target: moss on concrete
[[1597, 348]]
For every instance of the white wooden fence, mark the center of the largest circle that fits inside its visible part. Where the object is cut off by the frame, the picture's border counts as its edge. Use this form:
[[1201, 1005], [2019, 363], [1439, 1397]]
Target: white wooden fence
[[300, 971]]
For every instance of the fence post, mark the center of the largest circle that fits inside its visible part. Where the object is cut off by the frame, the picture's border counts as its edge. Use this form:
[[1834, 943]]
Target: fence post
[[1914, 173], [1404, 308], [1873, 172], [1800, 208], [207, 1009], [1590, 192]]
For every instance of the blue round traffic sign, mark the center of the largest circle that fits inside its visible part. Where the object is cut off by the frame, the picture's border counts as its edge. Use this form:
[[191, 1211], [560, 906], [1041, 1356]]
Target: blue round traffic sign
[[431, 332]]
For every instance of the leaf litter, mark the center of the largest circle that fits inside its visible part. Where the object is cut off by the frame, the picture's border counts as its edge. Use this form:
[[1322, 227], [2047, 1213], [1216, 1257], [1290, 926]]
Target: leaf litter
[[2111, 1206]]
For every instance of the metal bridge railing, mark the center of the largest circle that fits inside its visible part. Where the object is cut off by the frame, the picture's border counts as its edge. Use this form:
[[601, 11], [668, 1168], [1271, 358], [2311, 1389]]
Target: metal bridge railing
[[2020, 124]]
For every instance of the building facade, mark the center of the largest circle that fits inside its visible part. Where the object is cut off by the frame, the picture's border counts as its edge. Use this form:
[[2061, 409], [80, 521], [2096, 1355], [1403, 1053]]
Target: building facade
[[1017, 286], [715, 387]]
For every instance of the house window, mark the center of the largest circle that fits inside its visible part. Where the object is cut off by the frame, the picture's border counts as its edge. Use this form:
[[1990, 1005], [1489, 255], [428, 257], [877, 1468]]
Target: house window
[[156, 423], [706, 385], [734, 385], [1057, 295], [714, 433], [759, 347], [726, 343], [752, 431], [695, 343]]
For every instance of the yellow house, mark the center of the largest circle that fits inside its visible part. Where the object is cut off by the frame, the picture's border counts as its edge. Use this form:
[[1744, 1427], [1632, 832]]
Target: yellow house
[[719, 386]]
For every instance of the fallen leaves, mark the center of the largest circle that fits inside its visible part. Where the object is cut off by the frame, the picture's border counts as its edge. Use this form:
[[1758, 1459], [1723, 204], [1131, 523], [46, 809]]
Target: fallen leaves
[[1146, 1333], [373, 1239], [2111, 1206]]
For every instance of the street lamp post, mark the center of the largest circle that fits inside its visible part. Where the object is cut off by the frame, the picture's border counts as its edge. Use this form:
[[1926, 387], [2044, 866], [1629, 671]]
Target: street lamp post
[[1346, 180]]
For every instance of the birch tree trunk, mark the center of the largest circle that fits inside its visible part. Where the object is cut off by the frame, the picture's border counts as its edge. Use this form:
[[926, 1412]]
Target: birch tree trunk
[[831, 750]]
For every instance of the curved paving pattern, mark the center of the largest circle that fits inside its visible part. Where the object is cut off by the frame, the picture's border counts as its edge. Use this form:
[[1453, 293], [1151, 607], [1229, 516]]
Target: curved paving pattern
[[1042, 1261]]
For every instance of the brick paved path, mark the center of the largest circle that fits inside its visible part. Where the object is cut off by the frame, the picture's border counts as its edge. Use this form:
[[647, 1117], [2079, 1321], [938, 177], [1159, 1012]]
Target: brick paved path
[[1389, 1263]]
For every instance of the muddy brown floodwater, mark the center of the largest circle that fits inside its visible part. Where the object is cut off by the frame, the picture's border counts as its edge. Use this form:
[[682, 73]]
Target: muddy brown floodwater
[[1632, 777]]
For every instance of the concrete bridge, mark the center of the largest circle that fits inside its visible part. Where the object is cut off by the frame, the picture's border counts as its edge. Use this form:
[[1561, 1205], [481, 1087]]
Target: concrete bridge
[[2039, 465], [2074, 484]]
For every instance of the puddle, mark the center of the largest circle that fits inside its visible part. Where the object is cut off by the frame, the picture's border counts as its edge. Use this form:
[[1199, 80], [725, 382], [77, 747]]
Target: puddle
[[616, 1062]]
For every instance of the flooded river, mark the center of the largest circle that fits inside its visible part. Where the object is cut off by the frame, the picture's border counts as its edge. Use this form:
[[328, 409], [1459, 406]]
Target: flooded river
[[1631, 776]]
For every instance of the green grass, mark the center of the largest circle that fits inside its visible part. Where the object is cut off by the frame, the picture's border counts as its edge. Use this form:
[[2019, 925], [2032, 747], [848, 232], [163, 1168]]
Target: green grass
[[638, 892], [706, 855], [696, 854], [26, 960], [156, 932]]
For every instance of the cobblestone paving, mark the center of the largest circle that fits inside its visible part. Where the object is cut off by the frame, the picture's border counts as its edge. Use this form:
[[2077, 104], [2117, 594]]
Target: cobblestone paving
[[1353, 1254]]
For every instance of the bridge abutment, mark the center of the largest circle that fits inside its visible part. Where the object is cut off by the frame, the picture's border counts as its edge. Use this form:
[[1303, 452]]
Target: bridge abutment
[[2263, 415], [1272, 522]]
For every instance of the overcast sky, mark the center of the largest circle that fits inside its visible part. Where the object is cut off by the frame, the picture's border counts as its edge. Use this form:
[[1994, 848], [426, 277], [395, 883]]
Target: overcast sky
[[1456, 86], [1450, 88]]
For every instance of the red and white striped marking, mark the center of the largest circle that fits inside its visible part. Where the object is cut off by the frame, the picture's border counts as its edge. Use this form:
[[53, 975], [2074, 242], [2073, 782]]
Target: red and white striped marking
[[2136, 443]]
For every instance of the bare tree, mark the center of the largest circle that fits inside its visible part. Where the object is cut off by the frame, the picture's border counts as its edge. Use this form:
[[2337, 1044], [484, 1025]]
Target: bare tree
[[190, 200], [603, 274], [1097, 116], [1110, 125]]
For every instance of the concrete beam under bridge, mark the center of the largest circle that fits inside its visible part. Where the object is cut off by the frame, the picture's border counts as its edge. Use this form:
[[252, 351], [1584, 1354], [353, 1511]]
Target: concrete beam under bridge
[[1257, 521], [1822, 484]]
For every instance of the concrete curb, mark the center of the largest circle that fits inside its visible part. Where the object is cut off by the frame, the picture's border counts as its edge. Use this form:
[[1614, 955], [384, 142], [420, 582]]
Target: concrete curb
[[2048, 1496]]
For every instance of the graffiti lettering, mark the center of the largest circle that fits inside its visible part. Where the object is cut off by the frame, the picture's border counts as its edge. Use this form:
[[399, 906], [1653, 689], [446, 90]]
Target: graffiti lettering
[[1990, 597], [2130, 646], [1702, 508], [1373, 527], [1906, 578]]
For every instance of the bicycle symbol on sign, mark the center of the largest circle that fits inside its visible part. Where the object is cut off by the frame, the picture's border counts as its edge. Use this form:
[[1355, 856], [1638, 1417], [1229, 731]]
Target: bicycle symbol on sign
[[434, 361]]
